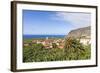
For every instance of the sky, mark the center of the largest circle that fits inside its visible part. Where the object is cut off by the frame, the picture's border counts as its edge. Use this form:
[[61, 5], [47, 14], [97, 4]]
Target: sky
[[53, 22]]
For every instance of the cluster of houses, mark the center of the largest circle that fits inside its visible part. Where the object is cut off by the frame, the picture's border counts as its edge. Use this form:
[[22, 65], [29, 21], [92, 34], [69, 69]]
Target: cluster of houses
[[48, 43]]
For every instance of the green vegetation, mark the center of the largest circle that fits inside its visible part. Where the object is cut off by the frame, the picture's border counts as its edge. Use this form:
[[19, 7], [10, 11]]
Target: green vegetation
[[73, 50]]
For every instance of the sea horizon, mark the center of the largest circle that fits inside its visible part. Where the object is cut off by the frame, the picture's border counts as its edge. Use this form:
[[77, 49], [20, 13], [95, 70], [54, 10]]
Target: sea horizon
[[27, 36]]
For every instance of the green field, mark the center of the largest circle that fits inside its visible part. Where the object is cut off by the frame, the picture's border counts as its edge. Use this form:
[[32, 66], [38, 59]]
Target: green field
[[73, 50]]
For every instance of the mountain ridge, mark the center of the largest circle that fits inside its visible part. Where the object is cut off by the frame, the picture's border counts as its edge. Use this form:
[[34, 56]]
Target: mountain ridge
[[76, 33]]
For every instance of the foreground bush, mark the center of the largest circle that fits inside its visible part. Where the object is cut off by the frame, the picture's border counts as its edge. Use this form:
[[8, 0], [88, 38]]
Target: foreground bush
[[73, 50]]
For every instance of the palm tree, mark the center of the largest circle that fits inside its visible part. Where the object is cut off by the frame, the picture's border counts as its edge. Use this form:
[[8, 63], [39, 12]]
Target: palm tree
[[73, 48]]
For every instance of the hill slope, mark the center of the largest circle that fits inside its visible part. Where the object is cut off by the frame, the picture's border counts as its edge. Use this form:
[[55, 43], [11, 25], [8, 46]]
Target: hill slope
[[86, 31]]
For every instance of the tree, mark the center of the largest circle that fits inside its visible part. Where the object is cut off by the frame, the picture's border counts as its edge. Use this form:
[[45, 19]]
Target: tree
[[73, 49], [54, 45]]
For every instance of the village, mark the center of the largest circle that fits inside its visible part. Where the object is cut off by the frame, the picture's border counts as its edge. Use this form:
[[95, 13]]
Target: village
[[47, 42], [55, 43]]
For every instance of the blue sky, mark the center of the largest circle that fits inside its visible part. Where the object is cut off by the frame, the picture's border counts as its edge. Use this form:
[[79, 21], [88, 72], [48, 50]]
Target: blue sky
[[53, 22]]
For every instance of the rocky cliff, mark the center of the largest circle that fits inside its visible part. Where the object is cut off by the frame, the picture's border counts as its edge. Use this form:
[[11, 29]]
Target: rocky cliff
[[86, 31]]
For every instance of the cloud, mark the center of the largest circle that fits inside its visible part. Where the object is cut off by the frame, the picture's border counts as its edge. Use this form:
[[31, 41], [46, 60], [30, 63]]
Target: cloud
[[77, 20]]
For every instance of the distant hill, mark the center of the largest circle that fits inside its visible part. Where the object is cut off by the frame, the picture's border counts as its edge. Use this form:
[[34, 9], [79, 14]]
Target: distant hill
[[86, 31]]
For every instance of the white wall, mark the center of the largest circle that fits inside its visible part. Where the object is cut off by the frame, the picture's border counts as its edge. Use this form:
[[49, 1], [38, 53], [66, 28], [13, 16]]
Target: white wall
[[5, 37]]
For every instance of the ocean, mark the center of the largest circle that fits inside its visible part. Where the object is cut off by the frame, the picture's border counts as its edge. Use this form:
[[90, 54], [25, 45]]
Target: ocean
[[42, 36]]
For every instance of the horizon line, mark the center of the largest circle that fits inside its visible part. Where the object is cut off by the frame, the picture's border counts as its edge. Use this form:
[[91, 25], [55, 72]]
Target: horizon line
[[44, 34]]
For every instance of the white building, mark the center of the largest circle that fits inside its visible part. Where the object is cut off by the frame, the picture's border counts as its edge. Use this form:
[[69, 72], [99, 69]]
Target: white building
[[85, 40]]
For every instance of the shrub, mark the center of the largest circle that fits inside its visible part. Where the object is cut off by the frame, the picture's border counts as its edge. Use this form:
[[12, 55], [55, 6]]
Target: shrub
[[75, 50]]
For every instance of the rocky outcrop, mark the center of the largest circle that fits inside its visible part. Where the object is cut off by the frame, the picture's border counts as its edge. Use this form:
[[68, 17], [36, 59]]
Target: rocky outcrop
[[80, 32]]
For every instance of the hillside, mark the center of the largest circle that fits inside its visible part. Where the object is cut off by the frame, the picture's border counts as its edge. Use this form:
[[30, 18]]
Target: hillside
[[86, 31]]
